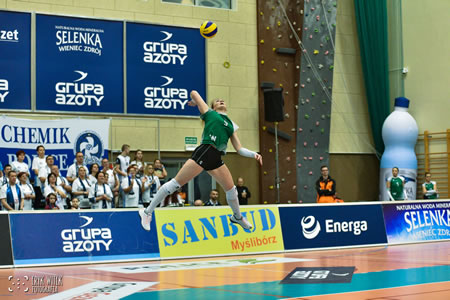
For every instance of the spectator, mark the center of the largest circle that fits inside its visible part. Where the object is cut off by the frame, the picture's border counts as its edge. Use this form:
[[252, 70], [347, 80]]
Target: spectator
[[429, 188], [27, 191], [139, 161], [72, 172], [2, 177], [80, 188], [94, 169], [61, 181], [151, 186], [57, 190], [395, 186], [75, 204], [213, 198], [325, 187], [38, 162], [198, 202], [11, 195], [114, 186], [243, 192], [106, 169], [1, 168], [5, 178], [43, 172], [18, 165], [173, 200], [100, 193], [121, 167], [132, 188], [51, 201], [160, 170]]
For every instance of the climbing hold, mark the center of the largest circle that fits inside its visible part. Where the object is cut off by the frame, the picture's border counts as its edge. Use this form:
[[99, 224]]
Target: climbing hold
[[270, 187], [316, 144], [264, 128], [298, 29], [296, 106], [302, 85], [283, 180], [293, 150], [309, 65], [310, 173], [320, 66], [286, 115], [313, 8], [321, 158], [294, 23], [313, 94], [279, 23], [308, 79], [322, 131], [267, 28], [281, 85], [321, 45], [300, 129], [306, 28], [301, 11], [307, 100], [331, 67], [304, 50], [262, 62], [305, 187], [310, 36], [297, 67], [306, 116], [226, 64], [326, 52], [293, 129], [286, 64], [261, 13], [294, 187], [274, 69], [270, 150], [317, 123], [288, 172], [261, 41], [287, 93], [324, 101], [310, 158], [318, 18], [316, 30], [296, 84], [316, 52], [274, 49], [305, 144], [265, 172], [299, 165], [279, 36], [291, 36], [323, 117]]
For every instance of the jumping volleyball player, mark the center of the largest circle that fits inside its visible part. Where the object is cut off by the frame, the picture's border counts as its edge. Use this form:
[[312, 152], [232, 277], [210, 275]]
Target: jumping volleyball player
[[218, 129]]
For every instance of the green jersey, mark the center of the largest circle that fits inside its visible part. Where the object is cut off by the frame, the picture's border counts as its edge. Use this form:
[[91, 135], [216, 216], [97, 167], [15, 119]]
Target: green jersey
[[396, 187], [218, 129], [429, 186]]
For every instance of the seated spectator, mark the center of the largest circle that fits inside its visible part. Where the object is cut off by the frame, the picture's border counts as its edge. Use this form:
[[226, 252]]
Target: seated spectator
[[213, 198], [5, 177], [80, 188], [395, 186], [160, 170], [60, 180], [18, 165], [198, 202], [72, 172], [139, 161], [325, 187], [243, 192], [100, 193], [59, 192], [43, 172], [75, 204], [429, 188], [51, 201], [11, 195], [93, 170], [27, 191], [151, 185], [132, 188], [173, 200]]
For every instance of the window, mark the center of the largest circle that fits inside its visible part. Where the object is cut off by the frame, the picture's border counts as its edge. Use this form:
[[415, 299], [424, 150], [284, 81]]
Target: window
[[227, 4]]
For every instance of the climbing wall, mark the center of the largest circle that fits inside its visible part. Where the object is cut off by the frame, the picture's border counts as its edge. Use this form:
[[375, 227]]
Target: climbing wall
[[279, 67], [316, 81]]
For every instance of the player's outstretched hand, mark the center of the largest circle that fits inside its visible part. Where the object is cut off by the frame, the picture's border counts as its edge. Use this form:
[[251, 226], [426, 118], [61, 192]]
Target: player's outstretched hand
[[258, 157], [192, 103]]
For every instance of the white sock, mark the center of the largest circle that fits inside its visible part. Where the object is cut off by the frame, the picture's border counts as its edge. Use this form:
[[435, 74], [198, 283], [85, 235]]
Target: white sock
[[233, 202], [167, 189]]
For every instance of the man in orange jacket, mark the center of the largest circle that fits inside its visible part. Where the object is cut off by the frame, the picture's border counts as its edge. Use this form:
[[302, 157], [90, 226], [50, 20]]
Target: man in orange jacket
[[326, 187]]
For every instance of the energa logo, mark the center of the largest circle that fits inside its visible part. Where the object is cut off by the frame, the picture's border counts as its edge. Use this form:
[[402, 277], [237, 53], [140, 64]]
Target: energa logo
[[310, 227]]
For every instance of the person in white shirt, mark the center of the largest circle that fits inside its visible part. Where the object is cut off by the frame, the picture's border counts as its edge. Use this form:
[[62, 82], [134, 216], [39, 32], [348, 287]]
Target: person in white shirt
[[61, 181], [151, 186], [18, 165], [132, 188], [52, 187], [72, 172], [27, 190], [80, 188], [121, 167], [43, 172], [4, 179], [95, 168], [11, 195], [114, 186], [100, 193], [38, 163], [139, 161]]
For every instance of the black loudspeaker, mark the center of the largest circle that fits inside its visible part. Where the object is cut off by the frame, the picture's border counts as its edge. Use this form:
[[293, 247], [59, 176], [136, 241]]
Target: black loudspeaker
[[273, 105]]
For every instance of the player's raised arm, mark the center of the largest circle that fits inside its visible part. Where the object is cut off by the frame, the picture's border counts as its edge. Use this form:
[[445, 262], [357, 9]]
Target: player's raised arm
[[198, 101]]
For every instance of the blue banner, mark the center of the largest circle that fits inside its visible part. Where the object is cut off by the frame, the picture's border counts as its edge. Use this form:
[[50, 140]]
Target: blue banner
[[15, 57], [417, 221], [79, 64], [320, 226], [163, 65], [80, 236]]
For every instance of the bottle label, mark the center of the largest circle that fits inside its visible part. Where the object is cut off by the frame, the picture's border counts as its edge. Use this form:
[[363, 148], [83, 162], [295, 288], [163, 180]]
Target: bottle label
[[410, 176]]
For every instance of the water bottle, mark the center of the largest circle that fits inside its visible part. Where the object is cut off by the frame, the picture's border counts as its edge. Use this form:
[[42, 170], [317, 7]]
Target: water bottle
[[400, 136]]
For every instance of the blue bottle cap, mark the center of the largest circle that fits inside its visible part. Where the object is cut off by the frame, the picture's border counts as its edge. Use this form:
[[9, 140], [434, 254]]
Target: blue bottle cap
[[401, 102]]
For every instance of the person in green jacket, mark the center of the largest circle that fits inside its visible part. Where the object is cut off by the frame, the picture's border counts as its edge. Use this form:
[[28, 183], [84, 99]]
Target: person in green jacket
[[429, 188], [396, 186]]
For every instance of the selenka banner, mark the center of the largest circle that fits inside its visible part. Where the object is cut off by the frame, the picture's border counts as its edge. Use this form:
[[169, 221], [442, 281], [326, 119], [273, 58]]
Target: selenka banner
[[15, 60], [163, 65], [61, 138], [416, 221], [79, 64]]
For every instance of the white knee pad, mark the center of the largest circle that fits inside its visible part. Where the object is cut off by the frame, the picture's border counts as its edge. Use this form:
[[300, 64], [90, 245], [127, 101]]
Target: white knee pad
[[231, 194], [171, 186]]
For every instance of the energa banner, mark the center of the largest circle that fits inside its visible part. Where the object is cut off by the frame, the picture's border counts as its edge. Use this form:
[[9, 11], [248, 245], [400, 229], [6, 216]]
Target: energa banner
[[62, 138]]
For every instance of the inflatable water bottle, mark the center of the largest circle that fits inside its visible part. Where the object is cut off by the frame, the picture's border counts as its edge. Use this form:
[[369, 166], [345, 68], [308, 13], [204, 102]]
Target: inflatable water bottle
[[400, 136]]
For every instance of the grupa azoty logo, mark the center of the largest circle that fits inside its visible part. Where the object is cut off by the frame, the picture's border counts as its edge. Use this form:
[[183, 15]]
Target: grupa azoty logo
[[86, 239], [4, 89], [79, 93], [165, 96], [91, 145], [164, 52], [310, 227]]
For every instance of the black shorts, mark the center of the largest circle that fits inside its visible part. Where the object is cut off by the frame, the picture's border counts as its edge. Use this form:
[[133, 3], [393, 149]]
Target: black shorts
[[207, 157]]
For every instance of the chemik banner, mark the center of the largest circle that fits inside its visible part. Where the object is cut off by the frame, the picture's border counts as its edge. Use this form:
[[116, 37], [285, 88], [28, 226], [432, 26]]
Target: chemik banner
[[163, 65], [79, 64], [324, 226], [208, 231], [61, 138], [413, 222], [15, 57], [80, 236]]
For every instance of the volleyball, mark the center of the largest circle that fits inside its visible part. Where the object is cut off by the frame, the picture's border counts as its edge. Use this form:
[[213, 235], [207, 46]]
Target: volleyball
[[208, 29]]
